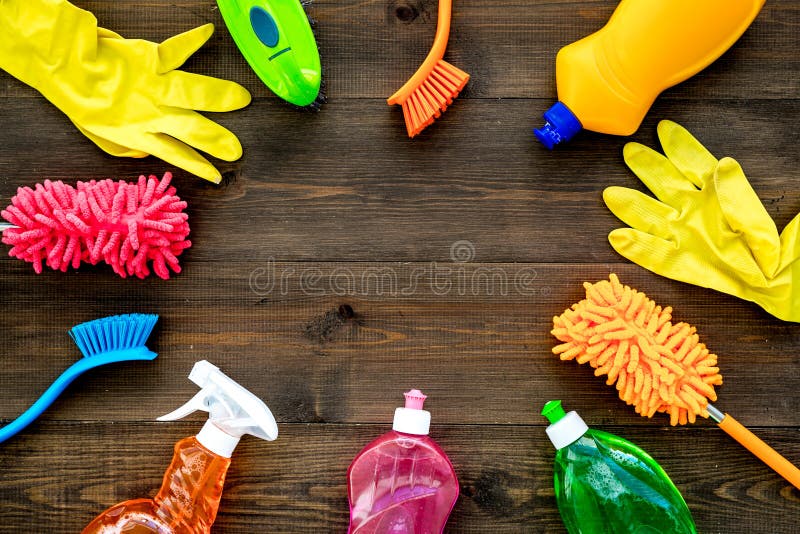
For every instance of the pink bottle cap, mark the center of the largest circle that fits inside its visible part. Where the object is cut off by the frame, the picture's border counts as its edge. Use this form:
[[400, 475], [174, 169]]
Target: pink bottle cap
[[415, 399]]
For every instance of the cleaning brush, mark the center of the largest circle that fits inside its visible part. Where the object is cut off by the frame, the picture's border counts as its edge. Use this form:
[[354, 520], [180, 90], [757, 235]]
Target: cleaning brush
[[657, 366], [435, 84], [118, 338], [125, 225]]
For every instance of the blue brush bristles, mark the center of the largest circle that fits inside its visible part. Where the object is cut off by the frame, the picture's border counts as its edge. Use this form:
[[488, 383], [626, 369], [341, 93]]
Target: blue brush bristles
[[118, 332], [118, 338]]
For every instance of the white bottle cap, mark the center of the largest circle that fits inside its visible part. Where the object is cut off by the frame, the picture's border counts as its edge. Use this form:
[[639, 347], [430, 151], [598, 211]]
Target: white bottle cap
[[412, 419], [217, 440], [566, 430]]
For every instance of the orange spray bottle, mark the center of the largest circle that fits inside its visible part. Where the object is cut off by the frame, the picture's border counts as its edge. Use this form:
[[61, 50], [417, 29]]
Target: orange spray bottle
[[188, 500], [608, 80]]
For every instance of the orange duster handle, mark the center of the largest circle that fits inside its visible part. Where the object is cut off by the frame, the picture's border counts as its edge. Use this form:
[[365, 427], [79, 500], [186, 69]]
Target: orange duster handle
[[767, 454]]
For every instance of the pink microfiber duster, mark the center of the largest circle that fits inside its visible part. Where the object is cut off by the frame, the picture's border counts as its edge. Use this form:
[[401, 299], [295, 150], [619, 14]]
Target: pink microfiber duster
[[123, 224]]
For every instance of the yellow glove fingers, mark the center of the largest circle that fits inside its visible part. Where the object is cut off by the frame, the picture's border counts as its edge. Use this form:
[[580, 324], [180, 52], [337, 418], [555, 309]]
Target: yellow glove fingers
[[666, 258], [203, 93], [201, 133], [173, 52], [745, 214], [123, 94], [179, 154], [657, 173], [661, 257], [719, 235], [651, 252], [640, 211], [111, 147], [690, 157]]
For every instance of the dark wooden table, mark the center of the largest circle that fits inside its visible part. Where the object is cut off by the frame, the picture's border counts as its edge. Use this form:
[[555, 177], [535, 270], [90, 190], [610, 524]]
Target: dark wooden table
[[341, 263]]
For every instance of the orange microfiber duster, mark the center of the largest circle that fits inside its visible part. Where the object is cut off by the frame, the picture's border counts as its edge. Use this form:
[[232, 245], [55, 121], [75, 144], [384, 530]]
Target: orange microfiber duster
[[658, 366], [435, 84]]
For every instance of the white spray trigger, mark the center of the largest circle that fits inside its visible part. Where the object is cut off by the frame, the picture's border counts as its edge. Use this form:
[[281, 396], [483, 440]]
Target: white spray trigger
[[195, 403], [233, 410]]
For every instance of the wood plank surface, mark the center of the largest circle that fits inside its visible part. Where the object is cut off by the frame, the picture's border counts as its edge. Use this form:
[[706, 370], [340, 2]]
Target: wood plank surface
[[277, 487], [341, 263], [465, 330], [371, 47], [357, 189]]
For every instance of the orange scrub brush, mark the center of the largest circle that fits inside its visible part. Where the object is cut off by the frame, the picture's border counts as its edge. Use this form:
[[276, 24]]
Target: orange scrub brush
[[658, 366], [435, 84]]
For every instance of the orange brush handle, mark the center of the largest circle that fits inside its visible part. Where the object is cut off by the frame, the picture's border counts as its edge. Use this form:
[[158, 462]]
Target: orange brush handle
[[767, 454], [436, 53]]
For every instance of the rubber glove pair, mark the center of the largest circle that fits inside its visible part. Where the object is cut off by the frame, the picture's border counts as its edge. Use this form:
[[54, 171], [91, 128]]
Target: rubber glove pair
[[706, 225], [124, 94]]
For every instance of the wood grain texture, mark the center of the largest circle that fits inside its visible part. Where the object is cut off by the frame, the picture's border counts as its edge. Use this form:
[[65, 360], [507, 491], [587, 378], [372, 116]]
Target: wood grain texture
[[355, 188], [464, 330], [340, 263], [295, 484], [371, 47]]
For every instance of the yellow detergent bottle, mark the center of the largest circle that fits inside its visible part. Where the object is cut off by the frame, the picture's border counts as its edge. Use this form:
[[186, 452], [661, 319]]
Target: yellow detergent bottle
[[608, 80]]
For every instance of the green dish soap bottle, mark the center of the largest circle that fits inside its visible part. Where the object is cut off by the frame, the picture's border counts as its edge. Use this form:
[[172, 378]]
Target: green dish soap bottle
[[607, 485]]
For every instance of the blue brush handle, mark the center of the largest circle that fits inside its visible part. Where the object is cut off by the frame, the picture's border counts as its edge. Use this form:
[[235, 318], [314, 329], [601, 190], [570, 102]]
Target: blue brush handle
[[66, 378]]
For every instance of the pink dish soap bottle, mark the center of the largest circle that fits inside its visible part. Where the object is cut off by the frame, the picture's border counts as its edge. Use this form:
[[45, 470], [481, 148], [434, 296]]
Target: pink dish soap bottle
[[403, 482]]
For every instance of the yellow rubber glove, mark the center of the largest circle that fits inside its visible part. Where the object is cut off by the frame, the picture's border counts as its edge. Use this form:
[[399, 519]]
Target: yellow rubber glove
[[707, 227], [124, 94]]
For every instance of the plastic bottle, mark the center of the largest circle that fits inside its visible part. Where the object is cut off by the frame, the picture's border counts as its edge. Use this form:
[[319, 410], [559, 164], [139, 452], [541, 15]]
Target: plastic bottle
[[608, 80], [402, 483], [607, 485], [188, 500]]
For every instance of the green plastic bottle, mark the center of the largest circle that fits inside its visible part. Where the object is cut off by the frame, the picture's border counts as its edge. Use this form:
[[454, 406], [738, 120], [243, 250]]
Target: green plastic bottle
[[606, 484]]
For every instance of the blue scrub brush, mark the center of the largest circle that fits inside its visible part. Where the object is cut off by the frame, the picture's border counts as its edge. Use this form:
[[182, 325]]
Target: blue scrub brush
[[119, 338]]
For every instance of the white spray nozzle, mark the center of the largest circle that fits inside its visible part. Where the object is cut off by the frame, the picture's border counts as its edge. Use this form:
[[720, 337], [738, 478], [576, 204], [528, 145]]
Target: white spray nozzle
[[233, 411]]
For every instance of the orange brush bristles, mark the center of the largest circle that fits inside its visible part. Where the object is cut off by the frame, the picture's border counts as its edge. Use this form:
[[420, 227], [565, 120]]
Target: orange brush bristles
[[432, 96], [435, 84], [657, 366]]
